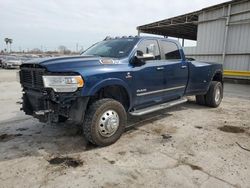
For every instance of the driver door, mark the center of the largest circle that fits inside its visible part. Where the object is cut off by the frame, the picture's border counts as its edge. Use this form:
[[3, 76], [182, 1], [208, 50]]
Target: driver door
[[148, 75]]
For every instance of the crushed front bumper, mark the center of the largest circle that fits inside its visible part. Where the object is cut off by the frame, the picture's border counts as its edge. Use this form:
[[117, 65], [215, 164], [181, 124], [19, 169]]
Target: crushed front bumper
[[48, 106]]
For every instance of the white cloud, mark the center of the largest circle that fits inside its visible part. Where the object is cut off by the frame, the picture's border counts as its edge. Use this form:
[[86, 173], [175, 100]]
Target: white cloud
[[54, 22]]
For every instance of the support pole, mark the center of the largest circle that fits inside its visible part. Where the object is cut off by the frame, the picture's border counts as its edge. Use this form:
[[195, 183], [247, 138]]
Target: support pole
[[226, 34], [139, 33]]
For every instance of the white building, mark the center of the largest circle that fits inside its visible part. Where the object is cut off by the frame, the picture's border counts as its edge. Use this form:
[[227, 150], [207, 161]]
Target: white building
[[222, 33]]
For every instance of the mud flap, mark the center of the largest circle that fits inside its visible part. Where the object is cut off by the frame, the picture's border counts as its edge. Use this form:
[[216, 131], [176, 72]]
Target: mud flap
[[77, 110]]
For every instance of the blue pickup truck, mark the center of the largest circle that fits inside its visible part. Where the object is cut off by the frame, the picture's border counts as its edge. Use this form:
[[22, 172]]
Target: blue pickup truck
[[117, 76]]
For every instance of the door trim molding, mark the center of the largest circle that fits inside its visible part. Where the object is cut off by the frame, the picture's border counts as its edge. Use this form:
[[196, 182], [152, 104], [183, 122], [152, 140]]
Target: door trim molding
[[159, 91]]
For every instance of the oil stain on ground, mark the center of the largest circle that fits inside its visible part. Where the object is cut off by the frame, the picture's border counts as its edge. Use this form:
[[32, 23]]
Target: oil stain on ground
[[166, 136], [110, 161], [21, 129], [195, 167], [231, 129], [7, 137], [67, 161], [192, 166]]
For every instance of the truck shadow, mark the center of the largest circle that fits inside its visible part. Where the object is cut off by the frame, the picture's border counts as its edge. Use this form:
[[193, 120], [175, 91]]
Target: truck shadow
[[30, 138]]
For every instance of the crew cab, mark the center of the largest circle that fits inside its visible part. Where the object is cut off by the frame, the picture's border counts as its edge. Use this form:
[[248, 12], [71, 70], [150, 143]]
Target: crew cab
[[114, 77]]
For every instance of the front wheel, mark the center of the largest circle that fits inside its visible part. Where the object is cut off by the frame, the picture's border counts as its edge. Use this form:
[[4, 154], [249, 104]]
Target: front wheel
[[105, 121]]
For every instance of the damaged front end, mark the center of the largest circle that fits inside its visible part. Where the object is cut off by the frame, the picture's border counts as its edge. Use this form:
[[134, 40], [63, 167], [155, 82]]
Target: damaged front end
[[46, 104]]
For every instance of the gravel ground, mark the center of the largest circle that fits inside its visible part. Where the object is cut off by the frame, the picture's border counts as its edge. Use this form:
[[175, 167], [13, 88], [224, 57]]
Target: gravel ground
[[185, 146]]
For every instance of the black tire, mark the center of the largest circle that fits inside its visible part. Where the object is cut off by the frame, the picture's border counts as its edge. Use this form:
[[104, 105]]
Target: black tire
[[91, 126], [212, 99], [200, 99]]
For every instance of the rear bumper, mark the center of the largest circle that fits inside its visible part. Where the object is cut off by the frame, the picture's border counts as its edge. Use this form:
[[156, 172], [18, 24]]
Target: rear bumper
[[48, 106]]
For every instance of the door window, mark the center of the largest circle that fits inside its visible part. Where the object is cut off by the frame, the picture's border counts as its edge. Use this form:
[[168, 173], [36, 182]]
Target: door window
[[170, 50], [149, 47]]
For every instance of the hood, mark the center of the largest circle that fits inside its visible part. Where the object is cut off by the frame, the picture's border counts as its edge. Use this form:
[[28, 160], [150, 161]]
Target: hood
[[65, 63]]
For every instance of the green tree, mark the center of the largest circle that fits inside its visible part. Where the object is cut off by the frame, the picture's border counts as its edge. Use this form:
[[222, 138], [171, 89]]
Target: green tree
[[8, 41]]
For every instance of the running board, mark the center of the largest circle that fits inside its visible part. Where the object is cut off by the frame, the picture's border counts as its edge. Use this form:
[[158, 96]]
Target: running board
[[157, 107]]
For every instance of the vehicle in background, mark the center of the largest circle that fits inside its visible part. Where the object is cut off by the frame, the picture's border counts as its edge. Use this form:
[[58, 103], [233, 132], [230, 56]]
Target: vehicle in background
[[11, 62], [24, 59], [135, 75], [14, 61]]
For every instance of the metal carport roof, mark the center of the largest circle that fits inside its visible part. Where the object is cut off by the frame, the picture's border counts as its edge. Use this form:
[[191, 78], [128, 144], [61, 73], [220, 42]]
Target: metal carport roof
[[184, 26]]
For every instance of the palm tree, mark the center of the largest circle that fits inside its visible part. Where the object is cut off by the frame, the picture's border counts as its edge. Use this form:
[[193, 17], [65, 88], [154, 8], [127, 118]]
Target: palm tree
[[6, 40], [10, 41]]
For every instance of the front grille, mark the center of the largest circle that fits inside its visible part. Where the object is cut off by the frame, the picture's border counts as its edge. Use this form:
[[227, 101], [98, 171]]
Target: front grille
[[32, 77]]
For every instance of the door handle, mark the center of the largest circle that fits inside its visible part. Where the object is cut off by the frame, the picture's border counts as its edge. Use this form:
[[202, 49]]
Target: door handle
[[160, 68], [184, 66]]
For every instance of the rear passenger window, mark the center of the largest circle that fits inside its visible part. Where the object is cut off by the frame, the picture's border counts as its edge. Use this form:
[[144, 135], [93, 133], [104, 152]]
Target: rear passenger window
[[149, 47], [170, 50]]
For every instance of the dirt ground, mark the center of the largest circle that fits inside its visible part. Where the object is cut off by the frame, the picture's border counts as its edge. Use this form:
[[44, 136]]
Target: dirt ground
[[185, 146]]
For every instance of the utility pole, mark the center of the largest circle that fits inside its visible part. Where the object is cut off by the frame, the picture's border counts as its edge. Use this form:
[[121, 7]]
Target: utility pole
[[76, 47]]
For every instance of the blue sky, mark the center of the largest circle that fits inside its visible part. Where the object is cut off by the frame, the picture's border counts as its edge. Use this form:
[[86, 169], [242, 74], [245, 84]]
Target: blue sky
[[49, 23]]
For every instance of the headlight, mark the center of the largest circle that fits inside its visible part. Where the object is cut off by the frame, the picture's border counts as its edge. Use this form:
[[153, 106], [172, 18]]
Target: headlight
[[63, 83]]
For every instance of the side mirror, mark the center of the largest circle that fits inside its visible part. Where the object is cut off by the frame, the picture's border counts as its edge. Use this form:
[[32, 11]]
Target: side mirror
[[144, 57]]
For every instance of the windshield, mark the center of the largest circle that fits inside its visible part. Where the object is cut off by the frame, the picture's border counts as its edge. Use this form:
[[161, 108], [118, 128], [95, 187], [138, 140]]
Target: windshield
[[116, 48]]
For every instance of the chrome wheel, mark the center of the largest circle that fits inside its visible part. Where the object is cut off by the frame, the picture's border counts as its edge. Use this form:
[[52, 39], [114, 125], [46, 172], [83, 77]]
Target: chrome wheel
[[217, 95], [108, 123]]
